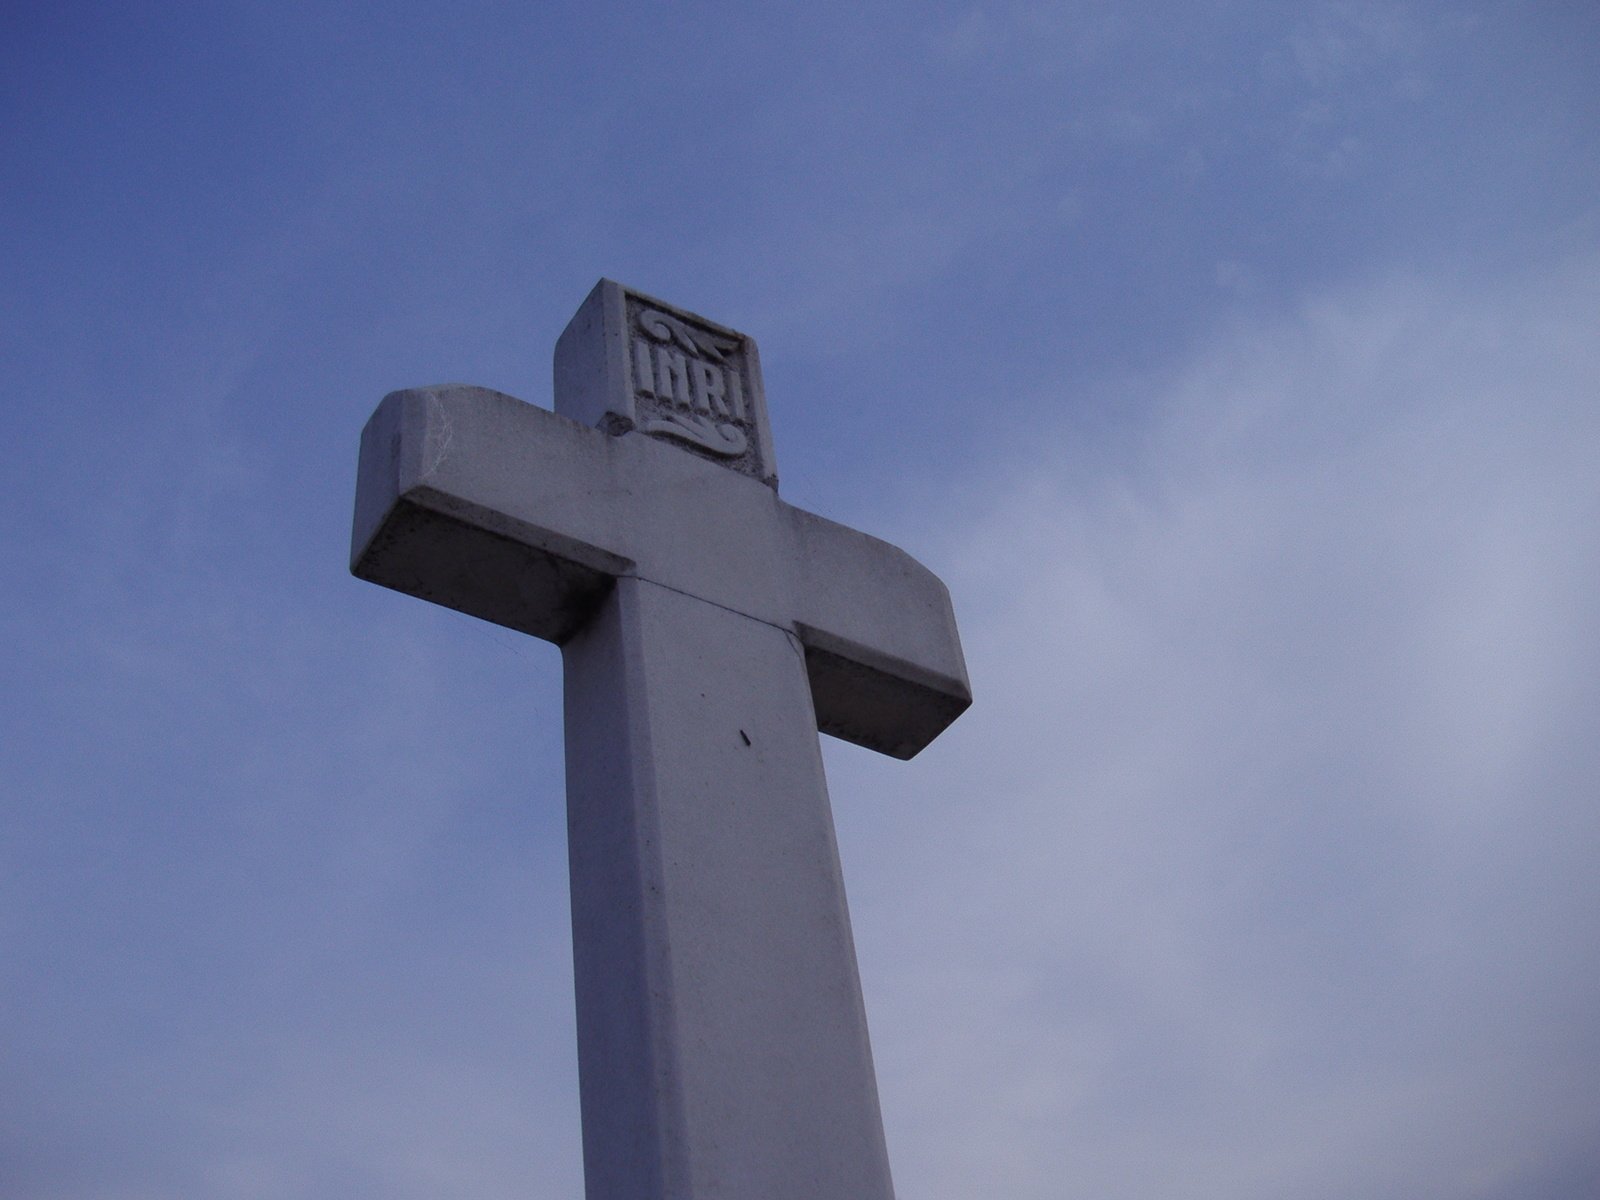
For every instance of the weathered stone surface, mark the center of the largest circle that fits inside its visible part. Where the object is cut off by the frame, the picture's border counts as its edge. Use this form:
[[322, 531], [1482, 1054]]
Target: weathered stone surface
[[719, 1011], [707, 630]]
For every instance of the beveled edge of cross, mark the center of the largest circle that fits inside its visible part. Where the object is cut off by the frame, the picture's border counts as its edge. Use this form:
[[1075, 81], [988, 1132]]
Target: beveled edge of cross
[[628, 361]]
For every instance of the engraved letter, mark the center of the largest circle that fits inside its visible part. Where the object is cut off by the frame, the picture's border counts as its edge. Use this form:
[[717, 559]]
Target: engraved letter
[[708, 390], [736, 394], [643, 373], [672, 377]]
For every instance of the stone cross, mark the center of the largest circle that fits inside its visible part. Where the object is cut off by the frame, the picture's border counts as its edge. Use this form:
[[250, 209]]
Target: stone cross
[[707, 631]]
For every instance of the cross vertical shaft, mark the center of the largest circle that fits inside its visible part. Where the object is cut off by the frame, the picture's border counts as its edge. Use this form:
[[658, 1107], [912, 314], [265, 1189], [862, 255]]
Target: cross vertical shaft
[[720, 1014]]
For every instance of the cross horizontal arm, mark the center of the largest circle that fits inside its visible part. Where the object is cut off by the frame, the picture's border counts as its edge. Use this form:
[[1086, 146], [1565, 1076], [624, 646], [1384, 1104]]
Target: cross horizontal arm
[[456, 503], [512, 513], [882, 651]]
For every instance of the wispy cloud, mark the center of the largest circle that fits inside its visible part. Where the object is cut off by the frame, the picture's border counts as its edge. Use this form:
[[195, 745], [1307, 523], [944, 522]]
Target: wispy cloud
[[1258, 868]]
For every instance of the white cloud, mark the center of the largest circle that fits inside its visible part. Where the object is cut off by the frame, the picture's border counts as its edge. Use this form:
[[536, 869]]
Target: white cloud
[[1262, 865]]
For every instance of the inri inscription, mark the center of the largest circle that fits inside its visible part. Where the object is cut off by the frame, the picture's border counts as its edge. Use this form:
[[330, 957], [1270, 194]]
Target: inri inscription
[[631, 362], [687, 382]]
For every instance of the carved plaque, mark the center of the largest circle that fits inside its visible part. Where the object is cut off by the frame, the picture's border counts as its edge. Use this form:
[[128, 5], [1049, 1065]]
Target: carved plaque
[[629, 363]]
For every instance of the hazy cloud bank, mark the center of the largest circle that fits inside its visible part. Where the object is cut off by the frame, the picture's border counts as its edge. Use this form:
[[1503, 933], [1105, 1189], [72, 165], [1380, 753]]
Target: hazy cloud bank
[[1263, 865]]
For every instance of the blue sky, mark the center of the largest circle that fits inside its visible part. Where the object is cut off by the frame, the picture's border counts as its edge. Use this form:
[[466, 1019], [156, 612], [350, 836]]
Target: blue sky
[[1232, 362]]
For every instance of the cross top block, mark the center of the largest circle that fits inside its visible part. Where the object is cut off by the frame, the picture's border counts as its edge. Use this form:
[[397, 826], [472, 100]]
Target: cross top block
[[628, 361]]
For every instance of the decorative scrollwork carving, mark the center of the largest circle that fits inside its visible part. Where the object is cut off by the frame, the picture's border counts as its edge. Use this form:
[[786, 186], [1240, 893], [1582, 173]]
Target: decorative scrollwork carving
[[725, 439], [664, 327]]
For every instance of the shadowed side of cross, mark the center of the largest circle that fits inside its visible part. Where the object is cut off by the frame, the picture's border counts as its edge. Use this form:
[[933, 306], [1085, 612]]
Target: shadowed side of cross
[[707, 627]]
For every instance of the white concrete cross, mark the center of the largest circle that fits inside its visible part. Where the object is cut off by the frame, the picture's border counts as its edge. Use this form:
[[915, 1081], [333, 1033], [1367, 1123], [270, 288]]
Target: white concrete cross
[[707, 629]]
